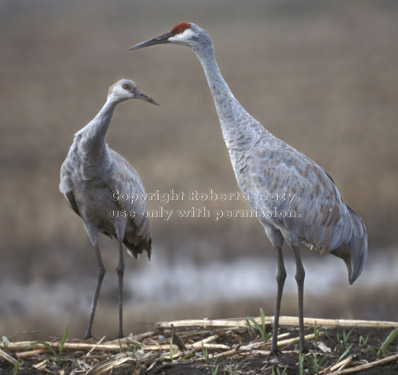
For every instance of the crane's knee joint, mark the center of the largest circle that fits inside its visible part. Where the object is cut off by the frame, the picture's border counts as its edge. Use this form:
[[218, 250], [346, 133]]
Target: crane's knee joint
[[100, 273], [300, 275], [100, 270], [120, 269], [281, 277]]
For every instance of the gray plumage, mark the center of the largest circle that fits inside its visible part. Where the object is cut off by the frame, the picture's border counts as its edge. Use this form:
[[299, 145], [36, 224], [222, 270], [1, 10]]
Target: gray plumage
[[89, 175], [263, 164]]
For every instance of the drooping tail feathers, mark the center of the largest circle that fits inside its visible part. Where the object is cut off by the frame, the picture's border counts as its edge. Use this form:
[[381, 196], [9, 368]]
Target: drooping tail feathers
[[134, 249], [355, 251]]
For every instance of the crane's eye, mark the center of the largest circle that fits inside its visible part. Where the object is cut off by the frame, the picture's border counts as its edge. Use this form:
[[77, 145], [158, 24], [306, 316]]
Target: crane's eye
[[126, 86], [180, 28]]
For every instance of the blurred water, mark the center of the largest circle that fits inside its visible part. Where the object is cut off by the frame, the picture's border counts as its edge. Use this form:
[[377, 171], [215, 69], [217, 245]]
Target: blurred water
[[245, 278], [183, 282]]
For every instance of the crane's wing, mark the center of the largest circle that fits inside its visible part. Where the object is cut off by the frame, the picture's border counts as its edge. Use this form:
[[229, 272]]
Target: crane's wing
[[123, 178], [317, 215], [70, 198], [66, 185]]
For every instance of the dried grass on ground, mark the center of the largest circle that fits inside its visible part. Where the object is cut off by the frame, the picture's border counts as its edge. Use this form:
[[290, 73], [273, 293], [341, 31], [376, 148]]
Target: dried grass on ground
[[232, 346]]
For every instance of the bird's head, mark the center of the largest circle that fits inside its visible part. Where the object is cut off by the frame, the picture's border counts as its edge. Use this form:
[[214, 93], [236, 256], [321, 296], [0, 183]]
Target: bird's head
[[185, 33], [126, 89]]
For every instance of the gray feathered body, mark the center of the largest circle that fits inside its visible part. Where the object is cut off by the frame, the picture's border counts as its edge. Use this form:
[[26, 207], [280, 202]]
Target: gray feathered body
[[295, 199], [265, 165], [90, 172]]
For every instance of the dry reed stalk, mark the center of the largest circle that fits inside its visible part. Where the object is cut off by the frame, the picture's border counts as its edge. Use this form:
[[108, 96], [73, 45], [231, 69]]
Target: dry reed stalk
[[366, 366], [240, 323]]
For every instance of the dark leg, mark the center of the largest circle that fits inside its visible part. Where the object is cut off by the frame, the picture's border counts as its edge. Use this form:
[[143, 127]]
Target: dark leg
[[300, 274], [280, 278], [120, 273], [100, 277]]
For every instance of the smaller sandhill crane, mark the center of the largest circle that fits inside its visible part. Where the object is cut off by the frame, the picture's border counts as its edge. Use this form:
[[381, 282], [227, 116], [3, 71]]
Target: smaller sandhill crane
[[93, 177], [264, 164]]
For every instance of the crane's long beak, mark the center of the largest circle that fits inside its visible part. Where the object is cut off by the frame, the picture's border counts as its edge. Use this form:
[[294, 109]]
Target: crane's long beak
[[158, 40], [138, 94]]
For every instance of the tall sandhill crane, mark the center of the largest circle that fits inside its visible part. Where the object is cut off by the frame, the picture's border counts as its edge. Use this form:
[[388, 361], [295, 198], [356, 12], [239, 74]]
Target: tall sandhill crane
[[264, 164], [93, 179]]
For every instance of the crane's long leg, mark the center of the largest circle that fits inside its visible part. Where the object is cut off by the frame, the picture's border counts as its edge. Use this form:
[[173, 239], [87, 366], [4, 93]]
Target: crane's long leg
[[100, 278], [280, 278], [120, 274], [120, 226], [300, 275]]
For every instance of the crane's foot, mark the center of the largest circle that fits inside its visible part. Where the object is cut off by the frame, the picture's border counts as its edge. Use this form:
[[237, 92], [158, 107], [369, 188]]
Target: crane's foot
[[303, 347], [88, 334], [275, 351], [120, 335]]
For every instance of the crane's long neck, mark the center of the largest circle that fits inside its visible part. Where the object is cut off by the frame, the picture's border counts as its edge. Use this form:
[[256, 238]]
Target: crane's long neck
[[92, 143], [238, 126]]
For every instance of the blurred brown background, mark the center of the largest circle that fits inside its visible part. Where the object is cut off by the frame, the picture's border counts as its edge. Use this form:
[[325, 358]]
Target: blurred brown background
[[320, 75]]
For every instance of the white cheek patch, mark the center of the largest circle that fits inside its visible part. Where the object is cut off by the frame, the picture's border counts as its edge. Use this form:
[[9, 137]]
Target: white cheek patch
[[182, 38]]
